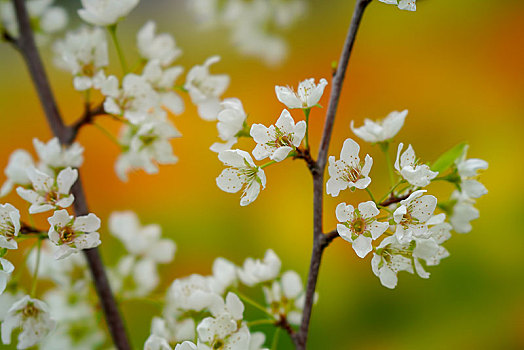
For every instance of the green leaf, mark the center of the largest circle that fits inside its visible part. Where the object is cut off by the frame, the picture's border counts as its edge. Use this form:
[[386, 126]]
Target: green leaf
[[448, 158]]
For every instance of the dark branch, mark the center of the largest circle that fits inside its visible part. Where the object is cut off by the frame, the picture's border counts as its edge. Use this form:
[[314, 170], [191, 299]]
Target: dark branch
[[393, 199], [27, 47], [26, 229], [85, 119], [306, 155], [321, 241], [10, 39], [329, 237], [284, 324]]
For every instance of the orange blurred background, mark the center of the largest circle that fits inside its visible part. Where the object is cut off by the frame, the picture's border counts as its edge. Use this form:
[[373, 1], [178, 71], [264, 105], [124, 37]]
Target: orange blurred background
[[458, 66]]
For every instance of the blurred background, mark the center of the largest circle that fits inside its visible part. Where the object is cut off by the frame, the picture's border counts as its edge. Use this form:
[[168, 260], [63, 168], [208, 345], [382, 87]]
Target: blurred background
[[456, 65]]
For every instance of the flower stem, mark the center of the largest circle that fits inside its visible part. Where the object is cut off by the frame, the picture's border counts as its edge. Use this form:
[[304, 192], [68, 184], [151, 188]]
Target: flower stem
[[108, 134], [267, 164], [274, 343], [37, 266], [306, 112], [391, 191], [371, 195], [112, 33], [253, 303], [384, 146], [260, 322]]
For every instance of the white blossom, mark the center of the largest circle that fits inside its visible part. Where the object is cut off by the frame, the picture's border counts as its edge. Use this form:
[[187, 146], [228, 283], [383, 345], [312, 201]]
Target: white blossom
[[134, 277], [412, 216], [9, 226], [45, 18], [72, 234], [285, 298], [409, 5], [76, 328], [162, 80], [192, 293], [143, 241], [136, 101], [19, 161], [389, 259], [187, 345], [411, 170], [359, 226], [348, 171], [223, 330], [55, 156], [172, 329], [258, 271], [48, 193], [277, 141], [224, 275], [154, 342], [6, 268], [84, 54], [32, 317], [381, 130], [104, 12], [241, 173], [161, 47], [146, 145], [146, 248], [205, 89], [463, 212], [468, 171], [307, 95], [70, 273], [231, 120]]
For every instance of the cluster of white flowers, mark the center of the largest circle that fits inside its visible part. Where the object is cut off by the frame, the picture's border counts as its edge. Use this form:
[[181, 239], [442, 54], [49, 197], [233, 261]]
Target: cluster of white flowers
[[206, 312], [254, 24], [276, 142], [46, 184], [142, 98], [136, 273], [414, 232], [46, 18], [409, 5]]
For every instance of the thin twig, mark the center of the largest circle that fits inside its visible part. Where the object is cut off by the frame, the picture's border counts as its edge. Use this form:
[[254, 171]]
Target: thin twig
[[329, 237], [27, 47], [85, 119], [284, 324], [393, 199], [320, 241]]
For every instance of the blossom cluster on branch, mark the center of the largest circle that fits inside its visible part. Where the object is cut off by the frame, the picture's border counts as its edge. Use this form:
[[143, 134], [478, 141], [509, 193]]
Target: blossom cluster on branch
[[404, 229]]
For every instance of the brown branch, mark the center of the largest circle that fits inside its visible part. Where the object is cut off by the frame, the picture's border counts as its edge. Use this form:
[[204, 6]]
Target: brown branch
[[36, 69], [393, 199], [305, 154], [329, 237], [320, 241], [10, 39], [85, 119], [284, 324]]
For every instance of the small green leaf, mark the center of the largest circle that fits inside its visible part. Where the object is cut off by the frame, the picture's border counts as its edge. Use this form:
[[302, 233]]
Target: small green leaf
[[448, 158], [3, 252]]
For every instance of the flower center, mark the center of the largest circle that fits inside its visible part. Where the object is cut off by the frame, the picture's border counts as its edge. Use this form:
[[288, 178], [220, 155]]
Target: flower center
[[351, 174], [30, 310], [359, 225], [67, 235], [88, 70], [51, 196]]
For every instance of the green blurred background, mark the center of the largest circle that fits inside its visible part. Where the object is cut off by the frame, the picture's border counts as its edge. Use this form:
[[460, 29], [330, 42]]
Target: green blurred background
[[458, 66]]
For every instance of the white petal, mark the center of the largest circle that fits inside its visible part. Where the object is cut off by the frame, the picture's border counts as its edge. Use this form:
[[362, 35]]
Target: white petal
[[362, 246]]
